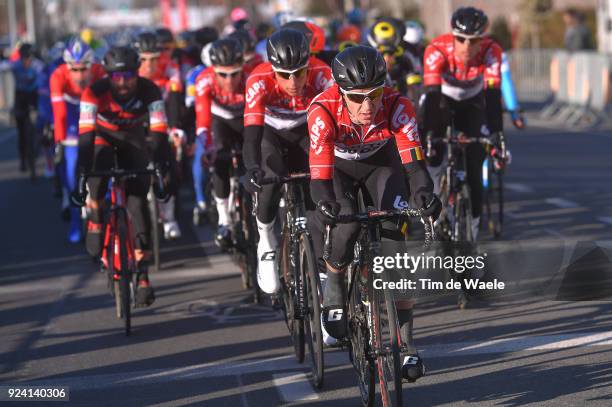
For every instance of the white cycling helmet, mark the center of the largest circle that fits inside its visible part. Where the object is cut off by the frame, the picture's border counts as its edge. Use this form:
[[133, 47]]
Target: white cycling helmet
[[414, 32]]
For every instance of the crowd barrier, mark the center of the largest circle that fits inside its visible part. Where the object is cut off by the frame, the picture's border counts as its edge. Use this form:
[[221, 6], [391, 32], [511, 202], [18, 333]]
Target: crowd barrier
[[7, 93], [530, 70], [580, 85]]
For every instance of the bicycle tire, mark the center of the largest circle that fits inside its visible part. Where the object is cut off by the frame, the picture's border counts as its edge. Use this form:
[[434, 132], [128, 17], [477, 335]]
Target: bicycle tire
[[30, 147], [386, 334], [312, 321], [359, 341], [251, 246], [125, 279], [155, 235], [288, 272], [500, 204]]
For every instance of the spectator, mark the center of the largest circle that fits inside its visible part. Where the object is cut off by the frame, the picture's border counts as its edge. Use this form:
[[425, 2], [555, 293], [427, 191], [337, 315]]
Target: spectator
[[577, 34]]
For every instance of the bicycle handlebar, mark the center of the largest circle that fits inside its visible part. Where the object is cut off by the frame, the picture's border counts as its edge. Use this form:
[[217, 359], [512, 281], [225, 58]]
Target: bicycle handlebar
[[285, 178], [119, 173], [378, 216]]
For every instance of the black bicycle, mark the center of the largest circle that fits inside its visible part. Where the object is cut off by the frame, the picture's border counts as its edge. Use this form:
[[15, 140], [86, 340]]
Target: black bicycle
[[299, 275], [493, 171], [118, 250], [243, 227], [373, 328]]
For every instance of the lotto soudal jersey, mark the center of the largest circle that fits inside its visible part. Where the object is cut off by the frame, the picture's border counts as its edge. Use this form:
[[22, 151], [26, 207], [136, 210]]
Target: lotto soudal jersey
[[65, 91], [333, 134], [266, 102], [212, 100], [100, 111], [459, 80], [167, 78]]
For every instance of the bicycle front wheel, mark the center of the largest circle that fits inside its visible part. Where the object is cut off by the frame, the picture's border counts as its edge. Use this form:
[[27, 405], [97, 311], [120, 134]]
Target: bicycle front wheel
[[125, 280], [312, 321], [289, 282], [387, 345]]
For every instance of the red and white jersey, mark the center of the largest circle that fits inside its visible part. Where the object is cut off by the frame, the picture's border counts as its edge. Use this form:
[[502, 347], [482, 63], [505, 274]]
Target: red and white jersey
[[267, 103], [212, 100], [167, 78], [333, 134], [462, 81], [64, 90]]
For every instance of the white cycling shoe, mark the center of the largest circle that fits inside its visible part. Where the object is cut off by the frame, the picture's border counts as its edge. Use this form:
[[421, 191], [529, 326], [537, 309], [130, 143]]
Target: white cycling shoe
[[172, 230], [267, 264]]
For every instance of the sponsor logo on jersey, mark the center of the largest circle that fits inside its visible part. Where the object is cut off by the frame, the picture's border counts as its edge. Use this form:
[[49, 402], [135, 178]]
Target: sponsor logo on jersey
[[253, 91], [315, 135], [400, 203], [406, 123]]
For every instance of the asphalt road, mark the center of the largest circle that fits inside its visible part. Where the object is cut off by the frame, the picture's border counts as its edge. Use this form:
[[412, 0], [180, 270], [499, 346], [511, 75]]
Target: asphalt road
[[203, 344]]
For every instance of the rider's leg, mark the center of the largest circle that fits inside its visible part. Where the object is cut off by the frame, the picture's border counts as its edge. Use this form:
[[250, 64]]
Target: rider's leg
[[103, 160]]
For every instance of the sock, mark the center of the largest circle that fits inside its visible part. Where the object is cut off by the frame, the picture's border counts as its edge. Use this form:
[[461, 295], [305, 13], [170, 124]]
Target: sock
[[406, 322], [334, 290], [223, 210], [267, 237]]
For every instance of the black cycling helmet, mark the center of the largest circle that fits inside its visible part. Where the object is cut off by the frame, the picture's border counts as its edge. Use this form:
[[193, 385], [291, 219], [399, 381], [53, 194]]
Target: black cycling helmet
[[263, 31], [245, 39], [26, 50], [359, 67], [288, 49], [164, 36], [226, 52], [146, 42], [205, 35], [121, 59], [469, 22]]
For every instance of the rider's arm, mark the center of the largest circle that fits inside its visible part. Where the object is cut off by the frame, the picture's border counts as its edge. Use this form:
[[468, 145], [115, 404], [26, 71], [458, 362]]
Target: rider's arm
[[321, 131], [59, 106], [88, 112], [492, 79], [158, 128], [405, 129], [175, 102], [254, 115], [203, 104], [434, 66]]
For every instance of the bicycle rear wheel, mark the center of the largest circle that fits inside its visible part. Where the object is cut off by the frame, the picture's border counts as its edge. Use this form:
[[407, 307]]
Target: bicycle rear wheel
[[125, 280], [387, 344], [312, 321], [359, 339]]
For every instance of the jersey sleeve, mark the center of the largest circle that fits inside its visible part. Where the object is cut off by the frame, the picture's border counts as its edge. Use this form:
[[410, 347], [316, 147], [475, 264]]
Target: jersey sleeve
[[158, 122], [435, 63], [88, 110], [58, 105], [405, 130], [492, 68], [321, 131], [255, 100], [203, 104]]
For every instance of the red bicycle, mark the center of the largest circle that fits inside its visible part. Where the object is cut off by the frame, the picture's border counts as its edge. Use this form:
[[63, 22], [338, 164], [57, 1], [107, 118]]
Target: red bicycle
[[118, 249]]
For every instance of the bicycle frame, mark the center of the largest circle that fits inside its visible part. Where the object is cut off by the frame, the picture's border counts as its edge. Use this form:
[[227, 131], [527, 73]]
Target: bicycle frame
[[111, 235]]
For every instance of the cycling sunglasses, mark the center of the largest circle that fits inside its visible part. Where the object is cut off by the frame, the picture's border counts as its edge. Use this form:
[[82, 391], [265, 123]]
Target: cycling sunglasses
[[297, 73], [126, 75], [150, 58], [229, 74], [473, 40], [361, 97], [83, 69]]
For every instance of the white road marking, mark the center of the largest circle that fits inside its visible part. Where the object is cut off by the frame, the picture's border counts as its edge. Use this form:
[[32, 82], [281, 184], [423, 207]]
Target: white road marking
[[294, 387], [520, 344], [516, 187], [562, 203], [550, 212]]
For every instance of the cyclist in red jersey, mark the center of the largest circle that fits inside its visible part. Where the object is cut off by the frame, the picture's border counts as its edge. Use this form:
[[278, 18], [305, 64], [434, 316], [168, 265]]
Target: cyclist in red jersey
[[462, 74], [219, 106], [277, 97], [113, 114], [66, 85], [364, 133], [251, 58], [168, 80]]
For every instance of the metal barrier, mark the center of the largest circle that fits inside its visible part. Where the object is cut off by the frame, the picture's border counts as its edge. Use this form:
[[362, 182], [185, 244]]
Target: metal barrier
[[7, 93], [531, 73], [580, 83]]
